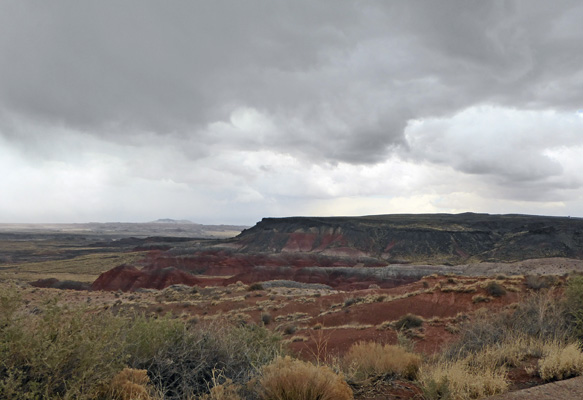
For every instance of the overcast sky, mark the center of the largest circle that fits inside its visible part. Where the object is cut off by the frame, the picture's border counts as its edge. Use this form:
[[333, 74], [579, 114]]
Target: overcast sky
[[230, 111]]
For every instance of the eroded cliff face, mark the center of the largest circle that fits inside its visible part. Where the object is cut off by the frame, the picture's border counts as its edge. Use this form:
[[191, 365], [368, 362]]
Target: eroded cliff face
[[435, 238], [344, 251]]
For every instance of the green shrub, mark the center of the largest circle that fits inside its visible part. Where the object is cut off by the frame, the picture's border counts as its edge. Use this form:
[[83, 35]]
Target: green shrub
[[59, 354]]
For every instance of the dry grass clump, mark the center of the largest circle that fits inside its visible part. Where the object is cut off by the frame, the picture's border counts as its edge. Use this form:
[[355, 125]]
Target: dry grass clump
[[460, 289], [297, 316], [352, 325], [290, 329], [371, 359], [481, 299], [509, 352], [540, 316], [409, 321], [383, 326], [255, 286], [222, 391], [131, 384], [458, 380], [289, 379], [561, 362], [352, 300]]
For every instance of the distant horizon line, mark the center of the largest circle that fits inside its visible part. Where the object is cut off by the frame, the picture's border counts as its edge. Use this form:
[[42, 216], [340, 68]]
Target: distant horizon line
[[183, 221]]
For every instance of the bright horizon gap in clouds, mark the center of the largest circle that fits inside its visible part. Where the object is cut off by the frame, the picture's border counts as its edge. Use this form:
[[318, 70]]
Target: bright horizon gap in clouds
[[229, 112]]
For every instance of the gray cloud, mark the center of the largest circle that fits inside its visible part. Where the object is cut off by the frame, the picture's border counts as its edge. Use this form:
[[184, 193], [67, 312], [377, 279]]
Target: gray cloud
[[183, 91], [145, 66]]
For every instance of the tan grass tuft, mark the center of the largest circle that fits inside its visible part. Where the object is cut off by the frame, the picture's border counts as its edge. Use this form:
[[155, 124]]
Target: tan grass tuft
[[561, 362], [225, 391], [130, 384], [368, 359], [290, 379], [458, 381]]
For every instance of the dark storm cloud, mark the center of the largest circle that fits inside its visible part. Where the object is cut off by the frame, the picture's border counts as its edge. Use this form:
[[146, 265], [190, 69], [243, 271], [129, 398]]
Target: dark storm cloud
[[149, 66], [340, 78]]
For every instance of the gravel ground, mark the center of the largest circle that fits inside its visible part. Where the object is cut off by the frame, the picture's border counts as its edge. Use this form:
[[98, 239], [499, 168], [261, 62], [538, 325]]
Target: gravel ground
[[563, 390]]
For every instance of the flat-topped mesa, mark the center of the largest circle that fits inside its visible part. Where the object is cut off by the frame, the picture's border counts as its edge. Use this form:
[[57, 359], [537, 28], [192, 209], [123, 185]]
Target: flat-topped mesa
[[385, 250], [429, 238]]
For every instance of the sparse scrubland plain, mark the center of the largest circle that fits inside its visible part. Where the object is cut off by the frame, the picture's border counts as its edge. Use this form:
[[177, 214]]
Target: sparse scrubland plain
[[355, 328]]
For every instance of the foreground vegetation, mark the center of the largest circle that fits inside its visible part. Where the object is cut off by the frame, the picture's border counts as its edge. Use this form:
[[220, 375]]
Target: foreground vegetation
[[55, 352], [542, 334], [52, 351]]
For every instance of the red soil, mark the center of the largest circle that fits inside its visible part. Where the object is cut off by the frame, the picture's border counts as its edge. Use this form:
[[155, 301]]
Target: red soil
[[129, 278], [244, 267]]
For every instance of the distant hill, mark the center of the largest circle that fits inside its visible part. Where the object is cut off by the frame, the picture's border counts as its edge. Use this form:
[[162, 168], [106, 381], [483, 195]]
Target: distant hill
[[172, 221], [161, 227], [421, 238]]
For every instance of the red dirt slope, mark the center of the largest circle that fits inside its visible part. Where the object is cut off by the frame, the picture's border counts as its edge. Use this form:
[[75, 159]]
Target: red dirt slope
[[129, 278]]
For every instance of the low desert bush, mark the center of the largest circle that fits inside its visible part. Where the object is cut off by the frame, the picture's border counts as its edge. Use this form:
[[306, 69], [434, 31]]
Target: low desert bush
[[409, 321], [58, 353], [561, 362], [542, 315], [183, 366], [289, 379], [290, 329], [574, 305], [495, 289], [266, 318], [350, 301], [371, 359], [538, 282], [255, 286]]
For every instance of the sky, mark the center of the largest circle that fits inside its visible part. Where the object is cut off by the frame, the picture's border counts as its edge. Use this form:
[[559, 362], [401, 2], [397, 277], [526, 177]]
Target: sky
[[228, 111]]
